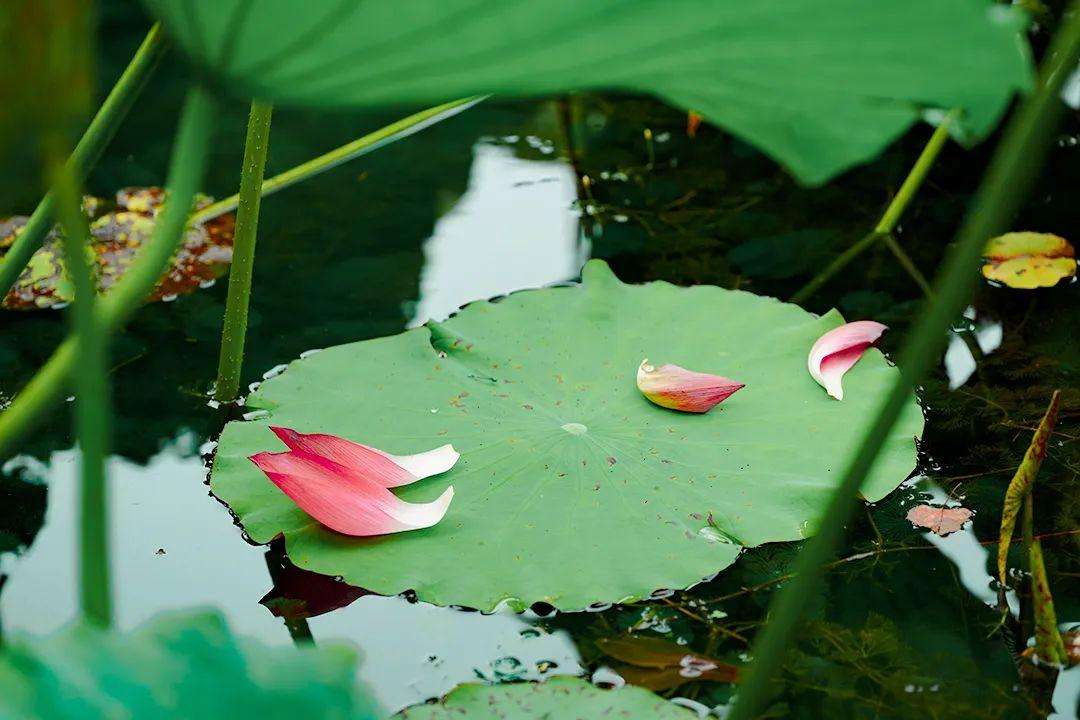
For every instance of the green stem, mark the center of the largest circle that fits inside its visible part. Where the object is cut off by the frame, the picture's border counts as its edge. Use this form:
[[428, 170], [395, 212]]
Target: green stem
[[907, 263], [838, 263], [92, 409], [890, 217], [185, 173], [350, 151], [1017, 159], [86, 153], [234, 329]]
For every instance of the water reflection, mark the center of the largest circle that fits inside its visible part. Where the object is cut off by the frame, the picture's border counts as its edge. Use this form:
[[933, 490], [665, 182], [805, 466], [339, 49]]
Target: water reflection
[[173, 546], [513, 228]]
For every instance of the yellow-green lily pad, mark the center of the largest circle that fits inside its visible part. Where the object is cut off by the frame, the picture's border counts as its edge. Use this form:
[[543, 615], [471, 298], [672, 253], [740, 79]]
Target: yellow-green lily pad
[[1029, 260]]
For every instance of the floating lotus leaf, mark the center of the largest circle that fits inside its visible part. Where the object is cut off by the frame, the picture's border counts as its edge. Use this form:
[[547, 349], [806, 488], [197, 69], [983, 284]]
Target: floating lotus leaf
[[118, 232], [559, 697], [180, 665], [572, 488], [1029, 260], [819, 86]]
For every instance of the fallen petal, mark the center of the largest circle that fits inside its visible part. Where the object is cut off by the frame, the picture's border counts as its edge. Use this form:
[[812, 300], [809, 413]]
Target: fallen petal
[[940, 520], [344, 501], [838, 350], [677, 388], [383, 468]]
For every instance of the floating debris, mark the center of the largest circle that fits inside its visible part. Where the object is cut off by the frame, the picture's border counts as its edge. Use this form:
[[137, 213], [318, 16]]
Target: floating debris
[[118, 232]]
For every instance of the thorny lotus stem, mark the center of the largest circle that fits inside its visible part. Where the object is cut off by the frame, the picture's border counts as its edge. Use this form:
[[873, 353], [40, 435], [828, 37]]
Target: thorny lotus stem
[[92, 410], [1009, 177], [86, 153], [889, 219], [1022, 484], [350, 151], [185, 174], [234, 328]]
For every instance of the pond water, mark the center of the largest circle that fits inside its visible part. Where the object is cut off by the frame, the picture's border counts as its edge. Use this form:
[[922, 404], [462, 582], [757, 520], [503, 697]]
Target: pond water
[[493, 201]]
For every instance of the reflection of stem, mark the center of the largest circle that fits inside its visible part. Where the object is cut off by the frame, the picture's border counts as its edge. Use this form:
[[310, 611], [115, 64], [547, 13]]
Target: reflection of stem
[[565, 107], [97, 136], [234, 327], [361, 146], [298, 627], [92, 411], [885, 226]]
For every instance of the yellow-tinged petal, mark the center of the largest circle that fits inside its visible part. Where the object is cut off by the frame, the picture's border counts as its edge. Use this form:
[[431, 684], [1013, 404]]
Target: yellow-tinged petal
[[677, 388]]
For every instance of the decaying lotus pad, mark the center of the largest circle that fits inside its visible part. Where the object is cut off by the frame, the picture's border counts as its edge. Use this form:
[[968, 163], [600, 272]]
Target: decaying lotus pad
[[119, 231]]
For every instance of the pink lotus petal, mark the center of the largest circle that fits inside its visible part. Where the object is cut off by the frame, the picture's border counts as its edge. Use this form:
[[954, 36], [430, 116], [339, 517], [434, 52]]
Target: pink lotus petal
[[344, 501], [385, 469], [838, 350], [677, 388]]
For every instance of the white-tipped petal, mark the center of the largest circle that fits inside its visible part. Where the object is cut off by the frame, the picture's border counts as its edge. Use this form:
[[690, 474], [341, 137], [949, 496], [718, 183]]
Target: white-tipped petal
[[838, 350], [426, 464]]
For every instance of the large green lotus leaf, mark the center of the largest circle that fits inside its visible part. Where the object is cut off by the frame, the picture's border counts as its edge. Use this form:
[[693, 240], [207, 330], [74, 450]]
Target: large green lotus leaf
[[564, 698], [572, 488], [179, 665], [818, 84]]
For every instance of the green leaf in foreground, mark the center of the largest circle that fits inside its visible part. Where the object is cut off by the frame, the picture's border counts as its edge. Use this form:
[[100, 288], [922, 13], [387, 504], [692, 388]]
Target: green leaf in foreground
[[572, 488], [820, 86], [181, 665], [559, 697]]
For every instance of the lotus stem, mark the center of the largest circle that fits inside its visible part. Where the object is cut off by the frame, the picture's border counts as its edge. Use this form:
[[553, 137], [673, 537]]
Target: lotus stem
[[86, 153], [92, 410], [1007, 181], [234, 328], [186, 169], [350, 151], [890, 218]]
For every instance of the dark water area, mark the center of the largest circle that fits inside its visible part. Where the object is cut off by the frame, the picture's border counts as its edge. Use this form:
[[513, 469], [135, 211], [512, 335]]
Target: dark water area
[[494, 200]]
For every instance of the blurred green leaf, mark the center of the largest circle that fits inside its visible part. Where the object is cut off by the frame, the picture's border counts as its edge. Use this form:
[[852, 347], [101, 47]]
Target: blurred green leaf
[[818, 86], [181, 665]]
